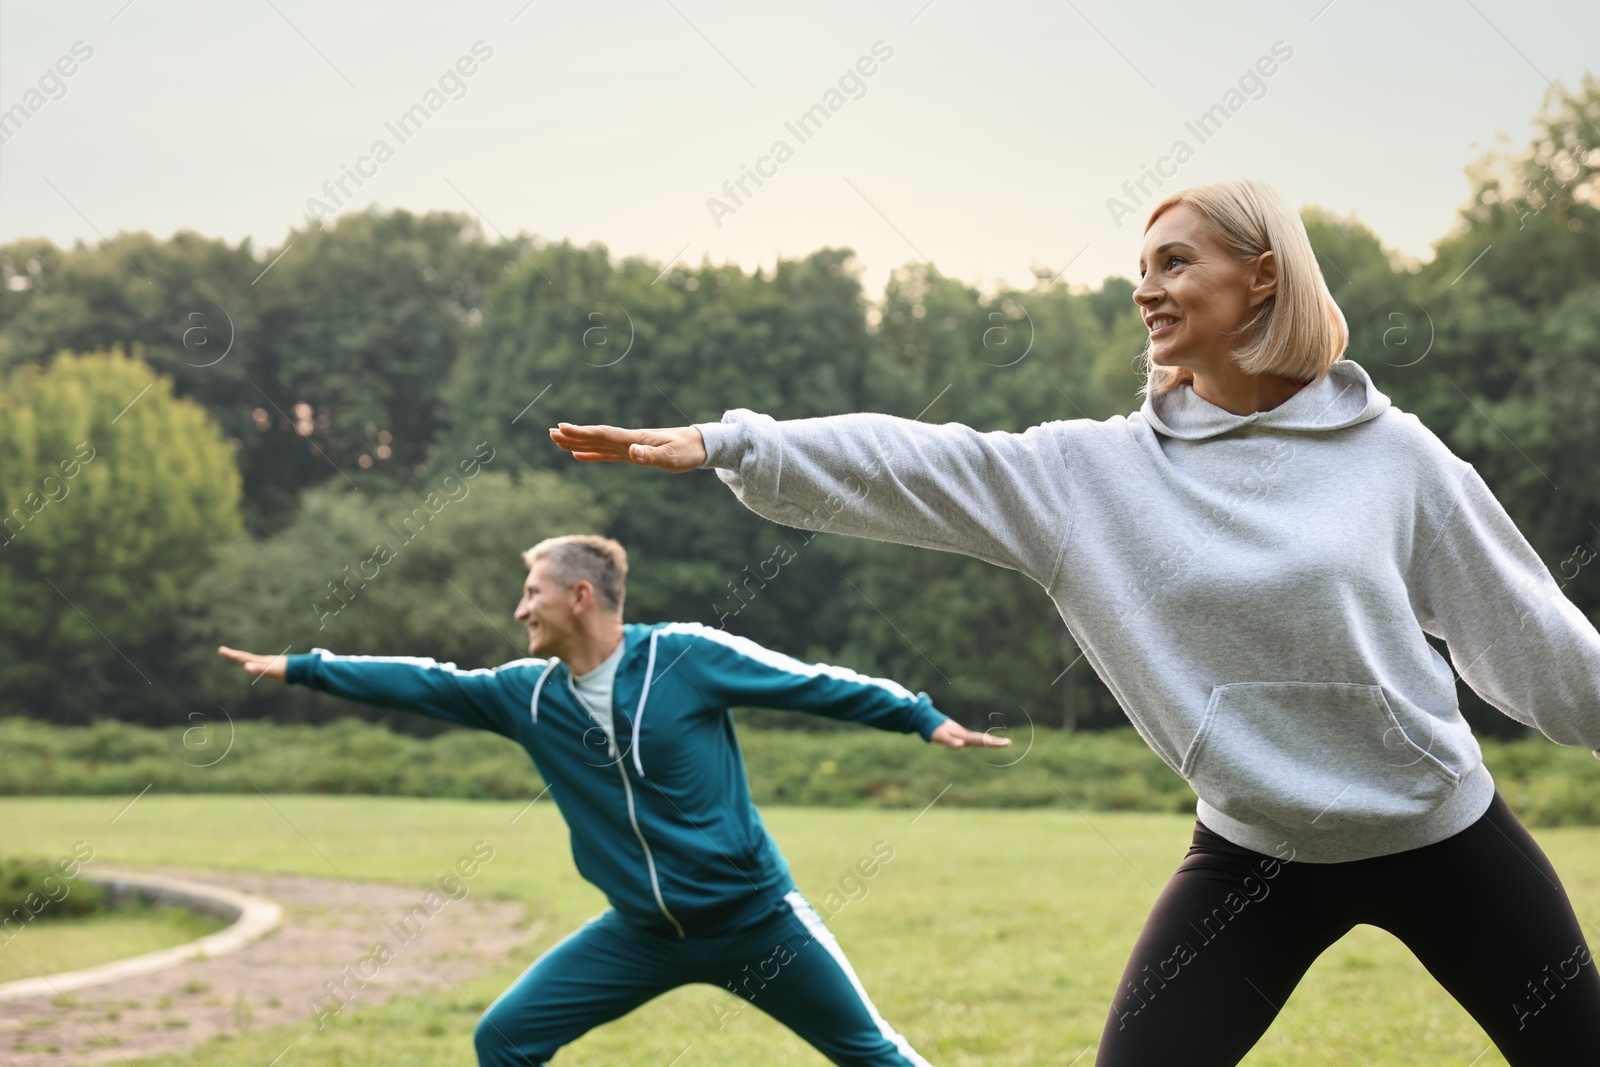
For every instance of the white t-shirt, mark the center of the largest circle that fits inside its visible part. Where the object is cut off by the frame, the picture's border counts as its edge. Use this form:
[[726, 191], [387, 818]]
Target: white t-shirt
[[594, 689]]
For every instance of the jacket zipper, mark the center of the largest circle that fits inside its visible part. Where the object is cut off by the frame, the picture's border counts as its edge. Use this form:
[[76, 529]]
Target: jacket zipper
[[655, 883], [633, 818]]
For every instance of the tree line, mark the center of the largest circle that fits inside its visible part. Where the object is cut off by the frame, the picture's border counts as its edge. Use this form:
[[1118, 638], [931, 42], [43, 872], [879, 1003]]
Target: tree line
[[339, 441]]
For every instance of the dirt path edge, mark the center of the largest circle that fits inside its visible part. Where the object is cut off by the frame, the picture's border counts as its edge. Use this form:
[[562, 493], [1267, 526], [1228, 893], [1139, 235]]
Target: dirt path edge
[[252, 918]]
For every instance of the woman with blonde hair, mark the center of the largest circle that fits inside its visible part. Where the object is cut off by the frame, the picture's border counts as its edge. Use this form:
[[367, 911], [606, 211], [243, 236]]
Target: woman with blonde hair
[[1252, 562]]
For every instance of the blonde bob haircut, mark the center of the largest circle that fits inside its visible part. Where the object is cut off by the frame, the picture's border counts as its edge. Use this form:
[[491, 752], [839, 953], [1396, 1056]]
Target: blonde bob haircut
[[1298, 332]]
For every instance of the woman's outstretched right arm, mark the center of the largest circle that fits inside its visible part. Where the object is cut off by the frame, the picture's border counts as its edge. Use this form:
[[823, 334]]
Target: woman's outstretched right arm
[[1001, 497]]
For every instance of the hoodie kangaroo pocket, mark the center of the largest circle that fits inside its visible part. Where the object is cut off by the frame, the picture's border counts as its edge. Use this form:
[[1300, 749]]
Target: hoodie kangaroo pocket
[[1319, 753]]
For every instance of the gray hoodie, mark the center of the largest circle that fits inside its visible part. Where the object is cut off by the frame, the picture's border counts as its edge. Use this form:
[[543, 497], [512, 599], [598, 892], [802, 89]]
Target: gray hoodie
[[1254, 589]]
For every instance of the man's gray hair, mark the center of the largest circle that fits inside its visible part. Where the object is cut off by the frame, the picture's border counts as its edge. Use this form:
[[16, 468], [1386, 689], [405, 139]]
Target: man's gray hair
[[600, 561]]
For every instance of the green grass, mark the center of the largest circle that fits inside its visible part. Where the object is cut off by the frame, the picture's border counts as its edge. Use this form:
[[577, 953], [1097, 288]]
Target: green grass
[[992, 937], [69, 944]]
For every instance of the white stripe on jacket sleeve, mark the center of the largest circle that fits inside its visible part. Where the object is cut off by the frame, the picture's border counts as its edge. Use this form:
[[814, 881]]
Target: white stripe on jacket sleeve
[[777, 660], [644, 694]]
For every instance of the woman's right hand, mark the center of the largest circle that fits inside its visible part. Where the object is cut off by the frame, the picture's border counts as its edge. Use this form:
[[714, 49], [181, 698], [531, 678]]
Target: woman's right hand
[[676, 450]]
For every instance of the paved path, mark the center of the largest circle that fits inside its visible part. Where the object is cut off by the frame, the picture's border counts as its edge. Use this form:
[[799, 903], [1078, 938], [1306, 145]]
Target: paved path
[[328, 926]]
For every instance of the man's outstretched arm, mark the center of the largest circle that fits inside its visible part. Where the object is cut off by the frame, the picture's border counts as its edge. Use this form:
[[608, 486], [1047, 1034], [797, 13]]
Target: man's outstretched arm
[[439, 690], [740, 672]]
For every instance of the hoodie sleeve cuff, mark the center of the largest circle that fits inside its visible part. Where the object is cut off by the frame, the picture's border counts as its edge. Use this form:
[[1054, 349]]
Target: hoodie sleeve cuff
[[726, 442]]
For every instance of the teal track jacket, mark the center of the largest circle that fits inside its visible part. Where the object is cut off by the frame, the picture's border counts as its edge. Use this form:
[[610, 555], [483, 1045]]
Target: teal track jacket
[[661, 821]]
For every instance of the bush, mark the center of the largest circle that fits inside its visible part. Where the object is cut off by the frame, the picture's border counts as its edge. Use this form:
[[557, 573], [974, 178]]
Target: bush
[[1111, 770], [35, 890], [79, 460], [435, 572], [1545, 784]]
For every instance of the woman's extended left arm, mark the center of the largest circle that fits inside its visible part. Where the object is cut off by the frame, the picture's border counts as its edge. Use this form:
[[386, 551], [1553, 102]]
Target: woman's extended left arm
[[1512, 634]]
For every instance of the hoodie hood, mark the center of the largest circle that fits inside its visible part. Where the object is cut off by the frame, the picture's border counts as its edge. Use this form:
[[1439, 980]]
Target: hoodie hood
[[1342, 397]]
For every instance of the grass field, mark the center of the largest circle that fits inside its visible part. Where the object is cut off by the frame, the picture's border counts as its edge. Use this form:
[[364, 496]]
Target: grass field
[[992, 937], [48, 947]]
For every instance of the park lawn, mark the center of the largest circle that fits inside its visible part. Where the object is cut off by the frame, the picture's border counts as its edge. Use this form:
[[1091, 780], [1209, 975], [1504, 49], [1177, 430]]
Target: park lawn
[[49, 946], [991, 937]]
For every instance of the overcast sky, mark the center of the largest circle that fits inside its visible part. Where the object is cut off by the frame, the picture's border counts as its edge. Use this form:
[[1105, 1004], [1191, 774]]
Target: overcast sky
[[988, 141]]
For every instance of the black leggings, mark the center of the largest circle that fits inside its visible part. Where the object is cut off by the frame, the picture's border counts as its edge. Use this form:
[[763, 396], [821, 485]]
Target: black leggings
[[1234, 930]]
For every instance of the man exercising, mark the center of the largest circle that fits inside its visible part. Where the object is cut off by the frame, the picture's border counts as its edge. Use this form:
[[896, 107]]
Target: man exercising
[[629, 726]]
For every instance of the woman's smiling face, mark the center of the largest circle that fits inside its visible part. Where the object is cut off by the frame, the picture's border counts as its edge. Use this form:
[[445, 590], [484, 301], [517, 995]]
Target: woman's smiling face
[[1194, 293]]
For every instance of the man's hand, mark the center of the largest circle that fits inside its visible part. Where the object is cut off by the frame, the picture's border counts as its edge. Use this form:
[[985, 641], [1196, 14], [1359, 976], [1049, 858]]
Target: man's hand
[[676, 450], [271, 666], [952, 734]]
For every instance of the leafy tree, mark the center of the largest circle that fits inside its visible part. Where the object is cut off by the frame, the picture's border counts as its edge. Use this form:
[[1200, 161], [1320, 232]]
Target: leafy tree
[[949, 624], [174, 298], [573, 338], [185, 303], [113, 492], [375, 355], [322, 356], [434, 571], [360, 325], [583, 341]]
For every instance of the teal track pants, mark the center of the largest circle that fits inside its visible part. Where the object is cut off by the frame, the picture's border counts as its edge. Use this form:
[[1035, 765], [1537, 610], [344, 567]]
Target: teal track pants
[[789, 966]]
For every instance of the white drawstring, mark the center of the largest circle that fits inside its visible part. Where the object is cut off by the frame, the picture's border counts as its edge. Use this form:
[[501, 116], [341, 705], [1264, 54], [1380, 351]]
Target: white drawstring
[[533, 706]]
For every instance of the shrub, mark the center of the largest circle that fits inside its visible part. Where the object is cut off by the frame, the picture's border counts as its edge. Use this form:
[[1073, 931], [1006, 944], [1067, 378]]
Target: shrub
[[36, 890]]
